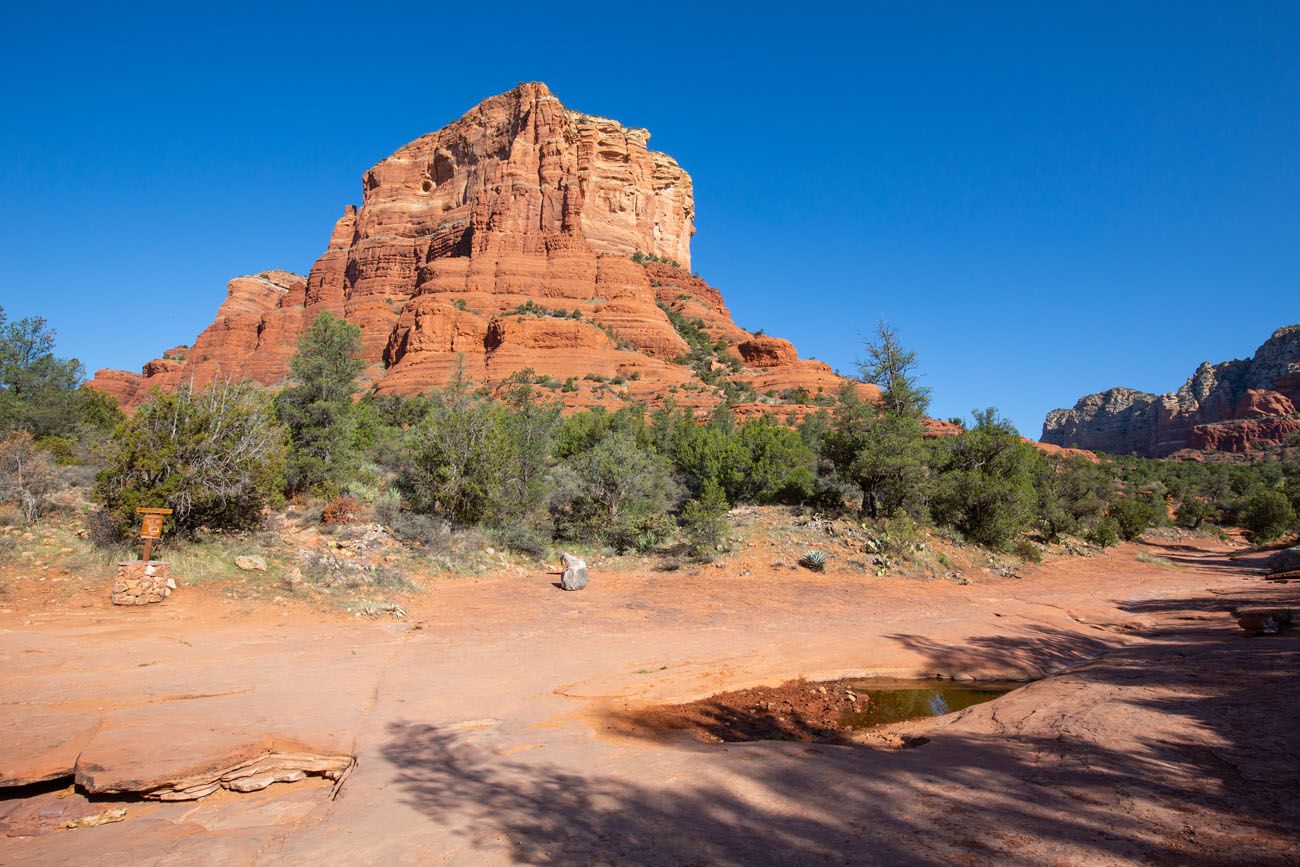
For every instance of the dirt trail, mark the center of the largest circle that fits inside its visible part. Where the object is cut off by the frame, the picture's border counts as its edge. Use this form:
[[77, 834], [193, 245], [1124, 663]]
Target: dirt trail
[[482, 724]]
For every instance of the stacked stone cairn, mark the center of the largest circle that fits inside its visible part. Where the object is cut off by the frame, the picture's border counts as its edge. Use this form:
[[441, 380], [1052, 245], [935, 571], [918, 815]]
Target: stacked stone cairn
[[141, 582]]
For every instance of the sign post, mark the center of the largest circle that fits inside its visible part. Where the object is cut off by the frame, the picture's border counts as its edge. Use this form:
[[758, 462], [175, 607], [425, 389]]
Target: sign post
[[151, 524]]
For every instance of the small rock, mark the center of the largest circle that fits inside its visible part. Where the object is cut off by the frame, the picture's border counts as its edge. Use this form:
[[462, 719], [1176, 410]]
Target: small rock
[[104, 818], [251, 563], [1286, 560], [171, 583]]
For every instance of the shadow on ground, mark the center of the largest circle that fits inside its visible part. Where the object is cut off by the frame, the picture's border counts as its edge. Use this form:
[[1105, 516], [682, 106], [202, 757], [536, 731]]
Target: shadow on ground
[[1181, 750]]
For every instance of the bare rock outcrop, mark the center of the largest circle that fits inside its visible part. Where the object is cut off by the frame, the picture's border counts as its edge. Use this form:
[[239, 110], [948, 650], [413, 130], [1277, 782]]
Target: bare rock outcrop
[[1236, 406], [507, 240]]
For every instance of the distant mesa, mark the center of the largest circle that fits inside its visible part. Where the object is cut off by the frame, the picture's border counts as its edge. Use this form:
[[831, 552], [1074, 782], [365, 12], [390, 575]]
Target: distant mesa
[[524, 235], [1241, 407]]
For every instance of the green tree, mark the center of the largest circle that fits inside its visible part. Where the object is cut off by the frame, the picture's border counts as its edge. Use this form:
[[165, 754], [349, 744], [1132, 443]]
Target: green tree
[[1193, 511], [530, 427], [1266, 516], [986, 482], [609, 490], [880, 452], [317, 408], [1072, 493], [892, 367], [709, 454], [1104, 534], [705, 523], [1132, 515], [216, 457], [459, 456], [779, 464], [41, 393]]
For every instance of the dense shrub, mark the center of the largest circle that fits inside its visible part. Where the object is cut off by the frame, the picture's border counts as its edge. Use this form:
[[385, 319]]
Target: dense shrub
[[609, 490], [704, 522], [1132, 515], [1266, 516], [457, 456], [215, 457], [1104, 535], [1193, 511], [1072, 494], [778, 464], [986, 482]]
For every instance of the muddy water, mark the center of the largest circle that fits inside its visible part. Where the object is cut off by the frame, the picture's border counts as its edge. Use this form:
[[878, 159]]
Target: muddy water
[[891, 701]]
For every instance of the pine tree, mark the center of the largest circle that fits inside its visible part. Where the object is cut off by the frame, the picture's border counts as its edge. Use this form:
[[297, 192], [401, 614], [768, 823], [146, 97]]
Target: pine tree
[[317, 408], [892, 367]]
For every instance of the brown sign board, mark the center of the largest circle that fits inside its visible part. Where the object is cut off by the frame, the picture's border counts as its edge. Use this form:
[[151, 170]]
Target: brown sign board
[[146, 510], [151, 526]]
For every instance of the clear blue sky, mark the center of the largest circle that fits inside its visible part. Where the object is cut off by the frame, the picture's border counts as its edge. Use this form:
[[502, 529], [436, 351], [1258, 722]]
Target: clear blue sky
[[1045, 200]]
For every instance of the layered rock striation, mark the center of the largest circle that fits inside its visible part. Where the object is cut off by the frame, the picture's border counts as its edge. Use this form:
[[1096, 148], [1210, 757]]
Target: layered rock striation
[[506, 241], [1240, 406]]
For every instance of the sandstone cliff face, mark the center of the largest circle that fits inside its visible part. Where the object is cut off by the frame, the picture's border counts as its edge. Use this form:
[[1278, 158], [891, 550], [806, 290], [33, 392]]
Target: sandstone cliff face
[[1237, 406], [501, 242]]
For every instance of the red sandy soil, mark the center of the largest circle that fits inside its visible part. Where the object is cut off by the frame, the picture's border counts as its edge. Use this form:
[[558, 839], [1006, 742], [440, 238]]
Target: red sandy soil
[[484, 724]]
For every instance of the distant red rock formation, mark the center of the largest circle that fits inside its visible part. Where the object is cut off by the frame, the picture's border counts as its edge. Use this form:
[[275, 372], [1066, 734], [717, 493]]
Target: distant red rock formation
[[501, 242], [1239, 407]]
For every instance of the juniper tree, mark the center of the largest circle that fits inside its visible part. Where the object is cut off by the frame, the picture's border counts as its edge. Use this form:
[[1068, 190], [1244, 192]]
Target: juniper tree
[[317, 407], [215, 456], [882, 453], [986, 481]]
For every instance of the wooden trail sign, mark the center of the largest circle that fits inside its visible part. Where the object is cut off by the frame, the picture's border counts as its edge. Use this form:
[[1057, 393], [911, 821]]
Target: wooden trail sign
[[151, 524]]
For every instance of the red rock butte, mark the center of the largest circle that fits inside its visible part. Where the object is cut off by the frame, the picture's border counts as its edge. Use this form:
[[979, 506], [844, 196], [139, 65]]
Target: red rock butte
[[504, 242]]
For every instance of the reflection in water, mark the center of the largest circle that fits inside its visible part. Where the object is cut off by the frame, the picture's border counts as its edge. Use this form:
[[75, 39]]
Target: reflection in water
[[891, 701]]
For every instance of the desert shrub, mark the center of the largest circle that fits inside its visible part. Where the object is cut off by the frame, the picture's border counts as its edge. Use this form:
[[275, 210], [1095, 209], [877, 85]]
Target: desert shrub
[[779, 465], [62, 449], [331, 571], [528, 540], [1071, 493], [605, 491], [1131, 515], [707, 454], [641, 530], [1266, 516], [900, 537], [1104, 535], [27, 477], [582, 431], [317, 407], [215, 457], [986, 482], [704, 522], [458, 456], [432, 534], [1027, 551], [530, 425], [342, 510], [1193, 511]]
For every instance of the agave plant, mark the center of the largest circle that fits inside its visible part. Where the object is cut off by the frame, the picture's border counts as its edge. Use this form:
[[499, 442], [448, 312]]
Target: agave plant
[[814, 560]]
